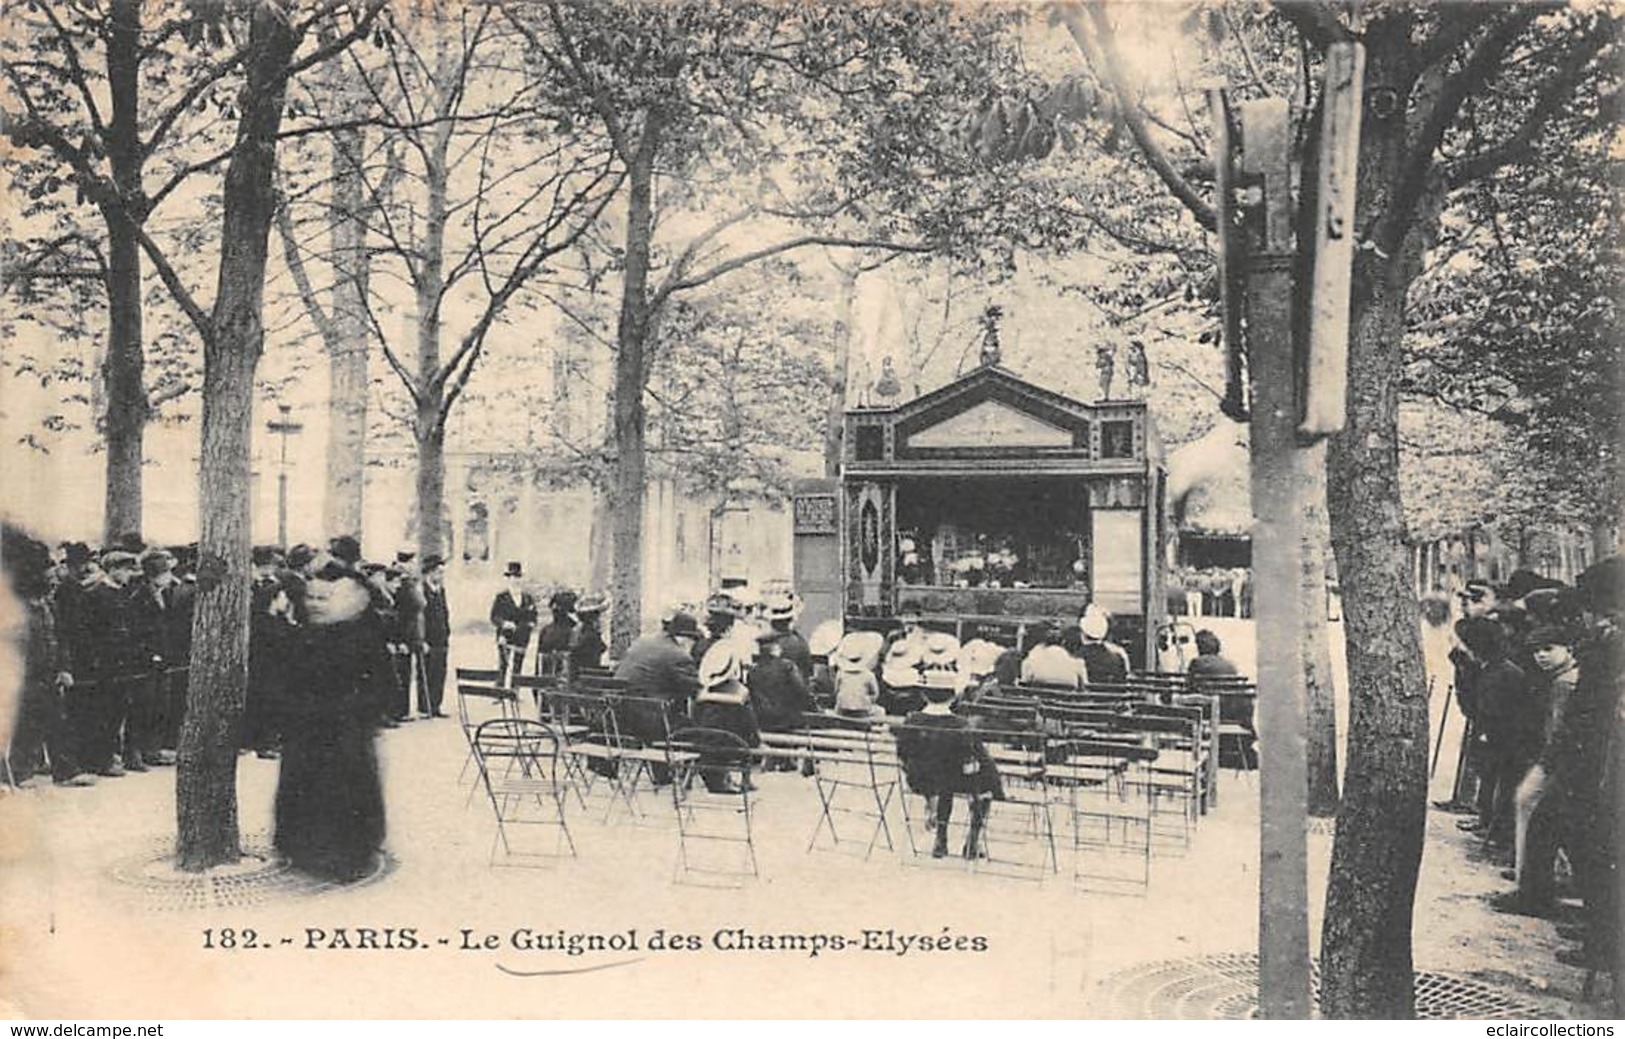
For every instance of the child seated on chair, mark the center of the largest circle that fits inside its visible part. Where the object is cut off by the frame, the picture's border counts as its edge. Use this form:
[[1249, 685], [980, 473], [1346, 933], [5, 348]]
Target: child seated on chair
[[857, 692], [942, 757]]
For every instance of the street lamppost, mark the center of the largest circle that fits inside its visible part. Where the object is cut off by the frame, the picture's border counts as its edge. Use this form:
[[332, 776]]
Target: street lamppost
[[283, 427]]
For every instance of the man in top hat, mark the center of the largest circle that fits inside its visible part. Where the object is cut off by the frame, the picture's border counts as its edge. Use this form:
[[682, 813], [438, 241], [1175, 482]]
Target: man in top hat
[[513, 614], [436, 638]]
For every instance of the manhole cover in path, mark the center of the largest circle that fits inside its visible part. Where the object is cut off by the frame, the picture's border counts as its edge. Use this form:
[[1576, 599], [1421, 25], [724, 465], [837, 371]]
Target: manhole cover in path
[[261, 875], [1224, 987]]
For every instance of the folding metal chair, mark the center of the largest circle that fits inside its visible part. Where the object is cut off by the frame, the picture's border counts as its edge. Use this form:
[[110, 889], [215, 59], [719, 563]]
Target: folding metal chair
[[1022, 820], [520, 768], [704, 817], [854, 758], [479, 699], [1107, 795]]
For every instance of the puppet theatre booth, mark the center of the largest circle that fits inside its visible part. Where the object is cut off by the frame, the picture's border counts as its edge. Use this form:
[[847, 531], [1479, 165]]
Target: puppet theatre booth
[[1000, 506]]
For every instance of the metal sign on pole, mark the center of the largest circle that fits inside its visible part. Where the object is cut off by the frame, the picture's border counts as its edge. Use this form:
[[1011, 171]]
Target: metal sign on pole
[[1325, 374], [1283, 911]]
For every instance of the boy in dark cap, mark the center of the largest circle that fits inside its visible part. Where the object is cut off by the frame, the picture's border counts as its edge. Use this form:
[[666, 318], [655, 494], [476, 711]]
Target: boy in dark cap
[[942, 757], [1537, 807]]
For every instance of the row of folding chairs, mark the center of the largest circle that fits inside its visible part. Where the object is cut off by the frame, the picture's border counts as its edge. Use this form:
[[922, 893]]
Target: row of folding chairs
[[578, 748], [540, 771], [1103, 785], [1183, 733]]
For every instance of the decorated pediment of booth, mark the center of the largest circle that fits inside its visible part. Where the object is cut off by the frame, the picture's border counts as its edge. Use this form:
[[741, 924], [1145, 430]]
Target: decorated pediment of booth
[[991, 413]]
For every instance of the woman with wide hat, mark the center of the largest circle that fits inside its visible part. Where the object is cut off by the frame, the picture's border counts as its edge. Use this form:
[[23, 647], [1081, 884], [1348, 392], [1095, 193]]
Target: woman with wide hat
[[723, 702], [329, 799]]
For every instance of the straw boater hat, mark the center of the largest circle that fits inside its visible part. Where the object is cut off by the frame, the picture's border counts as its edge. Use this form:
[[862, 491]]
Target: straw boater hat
[[722, 671], [592, 602], [720, 666], [901, 668], [824, 638], [858, 651], [939, 663], [1094, 623], [978, 657], [781, 607]]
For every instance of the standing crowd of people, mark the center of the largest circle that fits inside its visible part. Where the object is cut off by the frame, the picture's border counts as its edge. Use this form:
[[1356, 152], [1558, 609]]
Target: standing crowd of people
[[107, 643], [1540, 679], [338, 647]]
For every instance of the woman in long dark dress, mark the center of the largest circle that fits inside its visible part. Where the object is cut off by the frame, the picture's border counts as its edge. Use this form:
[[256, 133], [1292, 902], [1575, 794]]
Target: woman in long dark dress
[[329, 799]]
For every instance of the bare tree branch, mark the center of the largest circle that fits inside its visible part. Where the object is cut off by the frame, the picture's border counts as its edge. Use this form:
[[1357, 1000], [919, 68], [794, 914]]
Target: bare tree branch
[[1441, 112], [1104, 58]]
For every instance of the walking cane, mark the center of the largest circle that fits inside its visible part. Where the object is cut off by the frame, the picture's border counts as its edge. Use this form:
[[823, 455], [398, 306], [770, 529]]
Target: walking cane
[[1438, 744]]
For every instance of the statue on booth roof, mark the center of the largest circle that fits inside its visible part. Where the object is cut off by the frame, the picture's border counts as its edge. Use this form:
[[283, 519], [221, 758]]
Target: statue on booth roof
[[1105, 364], [887, 387], [990, 334], [1137, 370]]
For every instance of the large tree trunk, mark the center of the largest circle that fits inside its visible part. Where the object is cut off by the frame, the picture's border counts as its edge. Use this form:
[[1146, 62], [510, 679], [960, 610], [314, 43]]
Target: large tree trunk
[[631, 373], [206, 780], [1366, 964], [429, 422], [1319, 689], [347, 380], [125, 421], [431, 488]]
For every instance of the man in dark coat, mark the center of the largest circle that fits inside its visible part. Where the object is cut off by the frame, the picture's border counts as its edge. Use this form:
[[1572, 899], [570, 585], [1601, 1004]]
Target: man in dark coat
[[1477, 599], [660, 667], [78, 722], [587, 647], [268, 645], [553, 643], [1503, 698], [106, 657], [180, 596], [147, 610], [436, 638], [777, 689], [781, 615], [513, 614], [1585, 756]]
